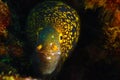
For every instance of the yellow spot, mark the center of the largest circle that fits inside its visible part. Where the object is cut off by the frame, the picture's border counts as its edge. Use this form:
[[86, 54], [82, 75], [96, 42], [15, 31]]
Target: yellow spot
[[68, 20], [66, 55], [39, 47], [70, 47], [65, 36], [71, 33], [65, 26], [67, 32]]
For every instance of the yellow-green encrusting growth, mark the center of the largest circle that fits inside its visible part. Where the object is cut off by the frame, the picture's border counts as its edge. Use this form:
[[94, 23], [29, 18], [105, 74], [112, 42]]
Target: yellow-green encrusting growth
[[57, 20]]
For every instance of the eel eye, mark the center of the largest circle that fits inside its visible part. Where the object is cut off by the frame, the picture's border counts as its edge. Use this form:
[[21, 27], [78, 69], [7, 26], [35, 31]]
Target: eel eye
[[54, 48], [39, 47]]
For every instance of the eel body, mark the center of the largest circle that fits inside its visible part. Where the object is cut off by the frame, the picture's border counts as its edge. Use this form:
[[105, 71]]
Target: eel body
[[53, 30]]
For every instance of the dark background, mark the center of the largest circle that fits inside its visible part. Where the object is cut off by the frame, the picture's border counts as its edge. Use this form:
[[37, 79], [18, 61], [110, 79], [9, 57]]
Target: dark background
[[87, 61]]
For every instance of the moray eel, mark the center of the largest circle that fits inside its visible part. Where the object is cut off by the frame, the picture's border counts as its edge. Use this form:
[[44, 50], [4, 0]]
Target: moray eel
[[53, 30]]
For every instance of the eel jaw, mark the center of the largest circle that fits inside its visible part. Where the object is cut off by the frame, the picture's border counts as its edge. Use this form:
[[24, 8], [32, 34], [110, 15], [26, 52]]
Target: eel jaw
[[49, 61]]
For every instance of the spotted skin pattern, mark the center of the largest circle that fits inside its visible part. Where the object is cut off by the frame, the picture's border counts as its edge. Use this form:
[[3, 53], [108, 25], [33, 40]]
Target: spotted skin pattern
[[60, 17]]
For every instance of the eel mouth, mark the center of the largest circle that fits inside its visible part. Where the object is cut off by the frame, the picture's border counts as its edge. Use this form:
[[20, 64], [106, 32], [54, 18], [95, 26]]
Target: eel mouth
[[47, 56], [48, 61]]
